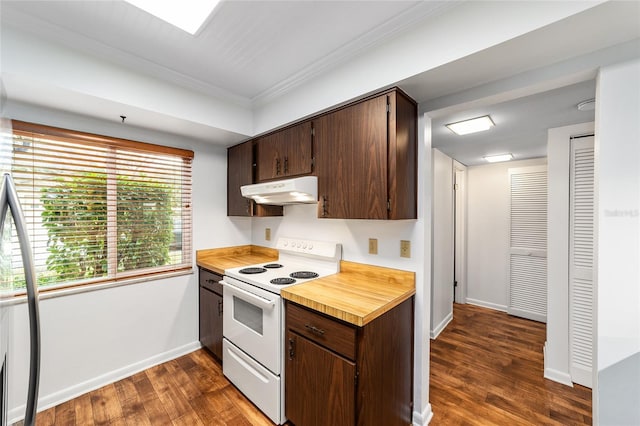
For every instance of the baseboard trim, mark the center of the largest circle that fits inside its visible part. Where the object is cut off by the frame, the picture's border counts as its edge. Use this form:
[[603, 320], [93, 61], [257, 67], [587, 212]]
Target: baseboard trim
[[443, 324], [558, 376], [47, 401], [424, 418], [553, 374], [483, 304]]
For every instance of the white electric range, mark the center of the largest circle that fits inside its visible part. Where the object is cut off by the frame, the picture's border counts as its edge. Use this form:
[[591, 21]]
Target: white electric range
[[253, 318]]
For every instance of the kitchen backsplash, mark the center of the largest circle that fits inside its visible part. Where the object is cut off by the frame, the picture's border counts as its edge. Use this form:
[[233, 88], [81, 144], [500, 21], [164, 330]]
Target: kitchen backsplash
[[301, 221]]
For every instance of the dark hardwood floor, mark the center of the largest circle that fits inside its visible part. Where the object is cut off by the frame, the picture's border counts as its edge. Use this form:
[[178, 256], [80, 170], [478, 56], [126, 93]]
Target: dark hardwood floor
[[189, 390], [487, 369]]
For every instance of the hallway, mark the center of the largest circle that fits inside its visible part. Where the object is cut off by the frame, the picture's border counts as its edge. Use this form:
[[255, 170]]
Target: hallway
[[486, 369]]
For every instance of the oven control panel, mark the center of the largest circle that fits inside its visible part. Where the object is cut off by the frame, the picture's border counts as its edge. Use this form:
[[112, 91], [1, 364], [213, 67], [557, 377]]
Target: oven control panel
[[317, 248]]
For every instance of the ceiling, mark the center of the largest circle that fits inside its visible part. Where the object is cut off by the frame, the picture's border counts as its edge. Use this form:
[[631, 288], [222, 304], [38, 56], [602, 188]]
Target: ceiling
[[520, 125], [251, 52], [247, 49]]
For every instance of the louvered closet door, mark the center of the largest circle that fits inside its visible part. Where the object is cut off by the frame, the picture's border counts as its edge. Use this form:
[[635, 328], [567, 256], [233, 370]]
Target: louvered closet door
[[528, 242], [581, 261]]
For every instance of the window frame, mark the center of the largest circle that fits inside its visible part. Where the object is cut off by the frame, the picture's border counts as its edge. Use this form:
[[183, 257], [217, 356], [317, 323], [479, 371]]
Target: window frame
[[34, 130]]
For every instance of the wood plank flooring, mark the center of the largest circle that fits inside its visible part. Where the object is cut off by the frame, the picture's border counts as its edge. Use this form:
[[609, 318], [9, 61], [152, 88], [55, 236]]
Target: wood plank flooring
[[487, 369], [189, 390]]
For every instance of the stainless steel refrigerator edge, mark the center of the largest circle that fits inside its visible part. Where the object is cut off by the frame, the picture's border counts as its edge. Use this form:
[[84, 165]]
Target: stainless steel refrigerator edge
[[9, 203]]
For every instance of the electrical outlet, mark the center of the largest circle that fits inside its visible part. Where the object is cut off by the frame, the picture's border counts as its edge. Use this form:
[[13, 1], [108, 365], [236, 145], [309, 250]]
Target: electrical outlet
[[405, 248], [373, 246], [267, 234]]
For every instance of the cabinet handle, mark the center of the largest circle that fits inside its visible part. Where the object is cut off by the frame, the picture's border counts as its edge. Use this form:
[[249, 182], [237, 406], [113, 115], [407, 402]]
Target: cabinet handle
[[219, 308], [277, 166], [210, 281], [324, 206], [286, 165], [249, 207], [314, 329], [291, 348]]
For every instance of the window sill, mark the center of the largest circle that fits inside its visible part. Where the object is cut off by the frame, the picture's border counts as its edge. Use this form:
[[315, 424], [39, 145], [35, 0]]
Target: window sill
[[45, 294]]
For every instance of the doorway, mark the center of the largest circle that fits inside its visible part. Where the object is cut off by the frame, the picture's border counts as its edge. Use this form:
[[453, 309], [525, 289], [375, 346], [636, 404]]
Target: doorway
[[481, 209]]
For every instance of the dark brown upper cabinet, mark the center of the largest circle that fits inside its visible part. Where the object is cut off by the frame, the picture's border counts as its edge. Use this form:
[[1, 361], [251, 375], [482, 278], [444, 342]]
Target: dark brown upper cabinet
[[240, 169], [365, 156], [285, 153]]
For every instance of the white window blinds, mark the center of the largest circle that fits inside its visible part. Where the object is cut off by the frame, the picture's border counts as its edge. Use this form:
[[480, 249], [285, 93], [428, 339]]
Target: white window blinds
[[100, 209]]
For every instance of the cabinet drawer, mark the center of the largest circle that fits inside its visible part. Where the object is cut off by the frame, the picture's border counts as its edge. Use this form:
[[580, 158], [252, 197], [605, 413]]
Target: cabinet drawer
[[332, 334], [210, 281]]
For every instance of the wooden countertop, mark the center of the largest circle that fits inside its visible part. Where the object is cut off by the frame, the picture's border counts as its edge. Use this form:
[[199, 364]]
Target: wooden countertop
[[217, 260], [358, 294]]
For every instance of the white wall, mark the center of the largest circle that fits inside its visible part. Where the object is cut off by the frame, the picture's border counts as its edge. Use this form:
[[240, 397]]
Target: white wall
[[93, 338], [617, 149], [465, 29], [442, 243], [302, 221], [488, 233], [78, 82], [556, 353]]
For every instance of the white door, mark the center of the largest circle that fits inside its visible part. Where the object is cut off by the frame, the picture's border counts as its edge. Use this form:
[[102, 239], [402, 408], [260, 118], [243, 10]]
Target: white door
[[581, 260], [528, 243]]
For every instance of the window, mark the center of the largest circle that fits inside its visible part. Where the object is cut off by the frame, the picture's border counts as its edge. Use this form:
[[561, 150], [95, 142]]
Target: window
[[99, 209]]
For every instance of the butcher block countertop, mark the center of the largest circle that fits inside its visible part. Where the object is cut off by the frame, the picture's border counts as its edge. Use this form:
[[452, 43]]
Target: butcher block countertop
[[217, 260], [358, 294]]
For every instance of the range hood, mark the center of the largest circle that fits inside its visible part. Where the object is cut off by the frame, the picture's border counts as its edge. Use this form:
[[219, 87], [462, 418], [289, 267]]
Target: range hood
[[302, 190]]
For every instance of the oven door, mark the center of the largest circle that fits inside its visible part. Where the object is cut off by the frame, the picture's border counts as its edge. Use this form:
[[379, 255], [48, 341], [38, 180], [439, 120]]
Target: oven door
[[252, 320]]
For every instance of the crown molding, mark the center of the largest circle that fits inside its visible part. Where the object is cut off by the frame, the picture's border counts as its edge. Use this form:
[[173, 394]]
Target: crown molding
[[386, 31], [402, 22], [75, 41]]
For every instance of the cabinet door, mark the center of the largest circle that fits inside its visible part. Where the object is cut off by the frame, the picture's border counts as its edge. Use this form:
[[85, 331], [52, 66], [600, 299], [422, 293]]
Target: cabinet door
[[320, 386], [402, 162], [211, 321], [351, 161], [285, 153], [239, 172]]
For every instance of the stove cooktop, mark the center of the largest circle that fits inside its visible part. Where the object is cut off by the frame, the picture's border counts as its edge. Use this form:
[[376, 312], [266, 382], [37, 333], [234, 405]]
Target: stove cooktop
[[274, 279], [299, 261]]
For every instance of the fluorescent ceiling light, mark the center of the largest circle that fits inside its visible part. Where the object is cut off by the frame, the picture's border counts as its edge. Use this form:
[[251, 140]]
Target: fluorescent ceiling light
[[472, 125], [188, 15], [498, 158]]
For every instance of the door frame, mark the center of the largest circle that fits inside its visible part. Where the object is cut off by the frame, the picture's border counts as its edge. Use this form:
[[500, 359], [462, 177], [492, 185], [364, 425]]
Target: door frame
[[556, 348], [460, 232]]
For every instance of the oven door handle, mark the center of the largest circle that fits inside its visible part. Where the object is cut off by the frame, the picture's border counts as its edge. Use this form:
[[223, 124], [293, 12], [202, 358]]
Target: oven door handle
[[249, 297]]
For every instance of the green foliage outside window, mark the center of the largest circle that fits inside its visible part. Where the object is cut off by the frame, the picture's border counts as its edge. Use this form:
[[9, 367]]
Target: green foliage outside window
[[75, 217]]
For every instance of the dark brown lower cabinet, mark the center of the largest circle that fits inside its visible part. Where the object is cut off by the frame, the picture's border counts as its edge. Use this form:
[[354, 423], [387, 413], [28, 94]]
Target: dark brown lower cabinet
[[210, 312], [319, 379], [339, 374]]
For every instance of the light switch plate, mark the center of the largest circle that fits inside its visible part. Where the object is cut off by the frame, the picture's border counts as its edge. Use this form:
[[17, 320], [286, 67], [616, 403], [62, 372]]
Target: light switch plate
[[373, 246], [405, 248], [267, 234]]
